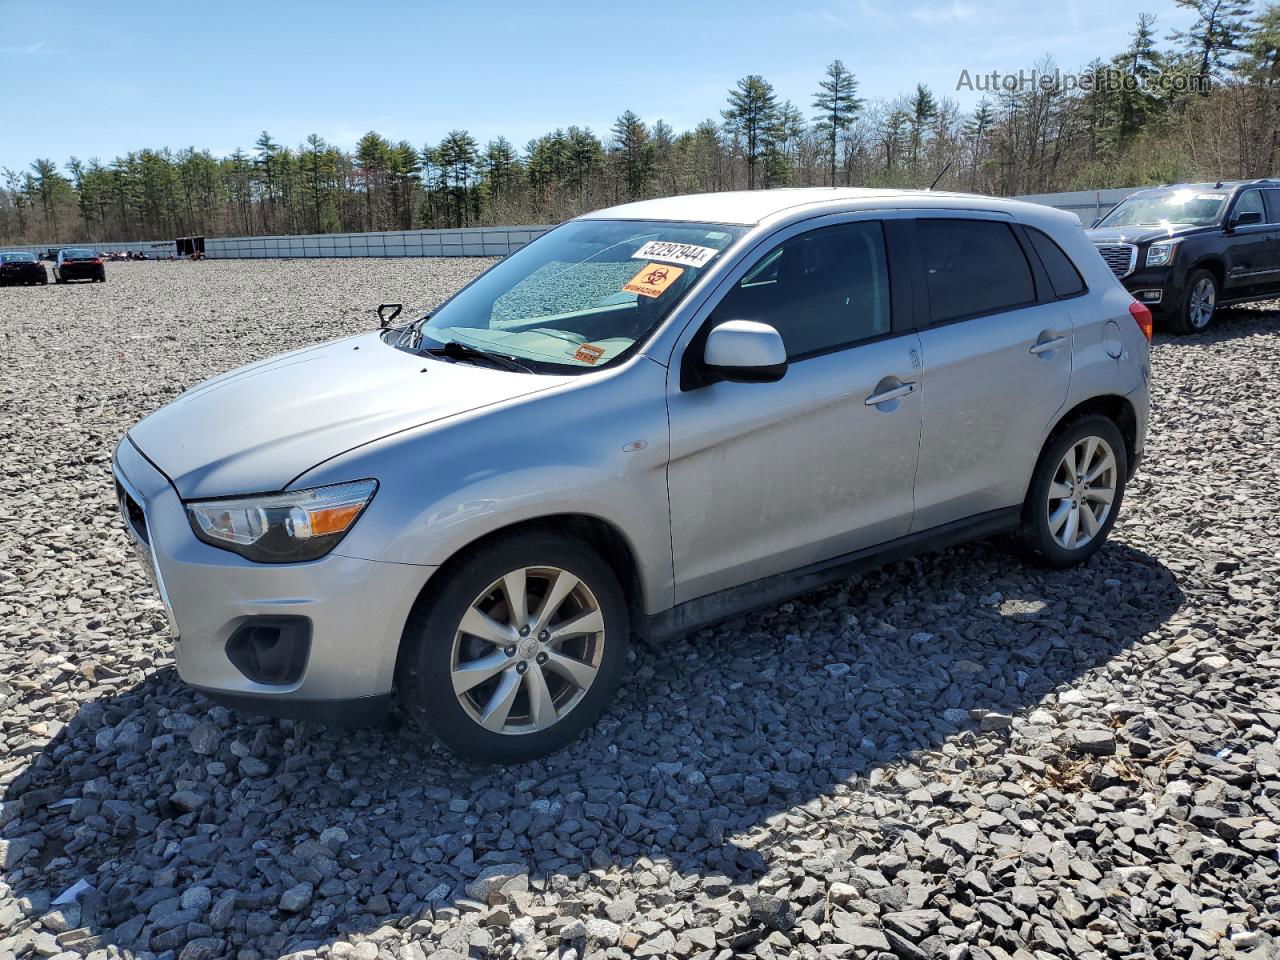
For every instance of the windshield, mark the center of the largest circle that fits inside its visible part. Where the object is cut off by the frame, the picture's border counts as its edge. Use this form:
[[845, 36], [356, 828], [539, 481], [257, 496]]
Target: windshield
[[582, 295], [1166, 207], [18, 257]]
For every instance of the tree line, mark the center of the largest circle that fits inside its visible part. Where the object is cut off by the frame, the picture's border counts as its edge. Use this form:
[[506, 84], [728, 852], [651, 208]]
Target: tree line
[[1202, 103]]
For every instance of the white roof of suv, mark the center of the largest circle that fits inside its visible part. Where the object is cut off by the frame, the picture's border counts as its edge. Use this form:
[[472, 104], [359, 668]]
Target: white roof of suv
[[751, 207]]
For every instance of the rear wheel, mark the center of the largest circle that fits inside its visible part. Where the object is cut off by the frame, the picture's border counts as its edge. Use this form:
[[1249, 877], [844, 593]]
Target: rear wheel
[[1075, 493], [1199, 303], [519, 649]]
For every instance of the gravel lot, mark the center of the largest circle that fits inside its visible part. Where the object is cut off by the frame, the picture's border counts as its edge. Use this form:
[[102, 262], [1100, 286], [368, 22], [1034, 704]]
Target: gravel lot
[[953, 757]]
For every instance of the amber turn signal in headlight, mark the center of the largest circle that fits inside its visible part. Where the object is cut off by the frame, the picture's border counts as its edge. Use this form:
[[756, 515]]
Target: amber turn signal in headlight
[[282, 527]]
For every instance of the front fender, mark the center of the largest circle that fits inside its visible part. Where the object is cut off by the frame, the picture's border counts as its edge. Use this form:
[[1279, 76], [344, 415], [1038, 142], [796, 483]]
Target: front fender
[[596, 446]]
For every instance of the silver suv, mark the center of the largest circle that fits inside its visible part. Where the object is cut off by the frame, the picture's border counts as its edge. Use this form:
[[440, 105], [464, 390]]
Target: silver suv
[[652, 417]]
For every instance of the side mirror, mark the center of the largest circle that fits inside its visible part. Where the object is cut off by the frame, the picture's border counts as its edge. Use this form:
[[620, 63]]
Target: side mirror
[[384, 320], [744, 351], [1245, 219]]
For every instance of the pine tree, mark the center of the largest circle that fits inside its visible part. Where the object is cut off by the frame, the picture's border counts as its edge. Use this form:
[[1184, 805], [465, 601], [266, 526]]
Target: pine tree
[[633, 154], [924, 109], [838, 104], [753, 108], [1217, 33]]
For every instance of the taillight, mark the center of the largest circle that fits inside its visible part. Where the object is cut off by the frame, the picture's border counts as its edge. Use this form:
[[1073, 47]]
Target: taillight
[[97, 259], [1142, 316]]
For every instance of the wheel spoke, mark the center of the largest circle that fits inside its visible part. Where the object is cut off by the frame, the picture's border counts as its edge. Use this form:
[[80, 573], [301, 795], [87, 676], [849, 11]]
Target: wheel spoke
[[1090, 448], [1059, 517], [1069, 461], [563, 586], [513, 587], [589, 622], [1090, 522], [542, 709], [1099, 494], [1059, 491], [498, 708], [1072, 527], [1108, 462], [475, 672], [580, 674], [486, 628]]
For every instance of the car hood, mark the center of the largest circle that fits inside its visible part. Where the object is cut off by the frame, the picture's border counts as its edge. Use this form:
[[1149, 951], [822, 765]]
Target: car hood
[[1141, 234], [255, 429]]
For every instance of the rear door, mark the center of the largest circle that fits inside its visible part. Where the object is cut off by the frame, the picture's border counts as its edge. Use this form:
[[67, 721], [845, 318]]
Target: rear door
[[997, 351]]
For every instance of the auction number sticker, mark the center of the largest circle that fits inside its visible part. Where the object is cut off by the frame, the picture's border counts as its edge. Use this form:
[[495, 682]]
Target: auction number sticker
[[653, 280], [687, 254], [589, 353]]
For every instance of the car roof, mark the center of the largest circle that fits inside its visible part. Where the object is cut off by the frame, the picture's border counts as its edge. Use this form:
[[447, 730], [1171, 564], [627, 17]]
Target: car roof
[[753, 207]]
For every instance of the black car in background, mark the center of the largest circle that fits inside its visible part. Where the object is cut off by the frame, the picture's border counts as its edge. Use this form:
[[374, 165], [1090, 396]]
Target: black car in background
[[1186, 249], [21, 267], [79, 263]]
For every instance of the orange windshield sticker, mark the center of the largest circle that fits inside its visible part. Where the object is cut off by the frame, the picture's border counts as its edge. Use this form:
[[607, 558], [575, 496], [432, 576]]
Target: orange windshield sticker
[[653, 279], [588, 353]]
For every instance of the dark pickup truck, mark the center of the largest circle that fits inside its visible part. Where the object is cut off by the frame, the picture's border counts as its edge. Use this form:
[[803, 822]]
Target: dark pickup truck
[[1186, 249]]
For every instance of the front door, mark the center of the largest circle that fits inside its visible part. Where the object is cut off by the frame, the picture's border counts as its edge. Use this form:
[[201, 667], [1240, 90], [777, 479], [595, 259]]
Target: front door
[[768, 477], [1252, 251]]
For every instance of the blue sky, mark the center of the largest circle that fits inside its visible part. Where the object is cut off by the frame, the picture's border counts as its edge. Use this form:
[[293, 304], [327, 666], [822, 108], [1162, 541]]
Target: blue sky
[[117, 76]]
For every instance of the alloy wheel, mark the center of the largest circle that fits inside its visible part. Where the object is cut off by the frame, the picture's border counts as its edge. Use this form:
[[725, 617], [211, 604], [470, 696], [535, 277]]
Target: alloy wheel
[[527, 650], [1203, 300], [1082, 492]]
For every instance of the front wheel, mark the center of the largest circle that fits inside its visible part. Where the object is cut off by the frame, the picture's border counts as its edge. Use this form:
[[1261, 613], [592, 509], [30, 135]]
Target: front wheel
[[518, 650], [1075, 493], [1199, 301]]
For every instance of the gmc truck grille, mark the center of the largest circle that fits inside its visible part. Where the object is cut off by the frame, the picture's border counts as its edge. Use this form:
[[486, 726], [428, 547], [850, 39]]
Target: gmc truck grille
[[1120, 257]]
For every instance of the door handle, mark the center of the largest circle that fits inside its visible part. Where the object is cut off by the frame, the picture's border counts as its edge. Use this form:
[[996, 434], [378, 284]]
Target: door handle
[[893, 393], [1044, 346]]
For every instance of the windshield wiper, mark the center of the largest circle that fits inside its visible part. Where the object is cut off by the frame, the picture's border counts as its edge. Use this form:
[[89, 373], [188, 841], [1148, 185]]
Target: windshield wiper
[[457, 350]]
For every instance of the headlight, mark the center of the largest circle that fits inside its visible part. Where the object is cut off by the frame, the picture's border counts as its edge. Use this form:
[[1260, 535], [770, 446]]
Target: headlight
[[282, 527], [1161, 254]]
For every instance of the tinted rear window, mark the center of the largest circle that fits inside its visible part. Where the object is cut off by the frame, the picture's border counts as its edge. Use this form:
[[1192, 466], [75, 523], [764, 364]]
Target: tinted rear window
[[973, 267], [18, 257], [78, 254], [1063, 275]]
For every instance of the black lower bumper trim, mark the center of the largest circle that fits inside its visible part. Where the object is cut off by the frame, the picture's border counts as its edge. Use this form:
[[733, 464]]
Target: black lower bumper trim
[[355, 712]]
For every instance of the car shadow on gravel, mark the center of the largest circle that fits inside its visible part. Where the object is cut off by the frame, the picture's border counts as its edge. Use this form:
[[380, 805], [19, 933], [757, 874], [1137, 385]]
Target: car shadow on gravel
[[195, 826]]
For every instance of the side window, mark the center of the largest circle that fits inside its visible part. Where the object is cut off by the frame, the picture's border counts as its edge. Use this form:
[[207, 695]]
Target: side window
[[1273, 206], [1250, 202], [820, 290], [973, 267], [1063, 275]]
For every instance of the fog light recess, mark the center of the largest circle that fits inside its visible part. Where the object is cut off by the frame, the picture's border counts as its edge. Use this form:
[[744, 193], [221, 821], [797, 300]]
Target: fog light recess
[[271, 650]]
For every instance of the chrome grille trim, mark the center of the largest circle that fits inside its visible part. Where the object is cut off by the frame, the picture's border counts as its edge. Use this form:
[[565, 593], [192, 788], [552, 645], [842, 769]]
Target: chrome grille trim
[[1122, 258]]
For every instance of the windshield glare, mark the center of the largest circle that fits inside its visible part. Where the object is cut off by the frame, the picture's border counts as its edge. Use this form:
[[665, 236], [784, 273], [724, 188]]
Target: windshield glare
[[1194, 207], [583, 294]]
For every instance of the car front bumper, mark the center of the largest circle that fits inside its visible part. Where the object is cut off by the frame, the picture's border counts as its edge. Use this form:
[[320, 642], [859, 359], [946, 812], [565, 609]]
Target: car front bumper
[[354, 610]]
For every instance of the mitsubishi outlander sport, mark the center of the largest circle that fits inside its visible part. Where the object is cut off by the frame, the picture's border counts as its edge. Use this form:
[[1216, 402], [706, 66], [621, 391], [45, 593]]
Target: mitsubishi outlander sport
[[652, 417]]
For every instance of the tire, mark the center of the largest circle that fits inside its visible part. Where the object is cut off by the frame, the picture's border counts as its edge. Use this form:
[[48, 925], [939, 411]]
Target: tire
[[433, 645], [1045, 528], [1191, 316]]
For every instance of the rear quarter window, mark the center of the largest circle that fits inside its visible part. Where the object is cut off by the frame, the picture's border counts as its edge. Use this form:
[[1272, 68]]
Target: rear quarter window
[[1063, 275], [973, 267]]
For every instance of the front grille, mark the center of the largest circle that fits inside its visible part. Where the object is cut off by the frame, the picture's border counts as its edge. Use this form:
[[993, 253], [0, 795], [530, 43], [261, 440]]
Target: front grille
[[1120, 257], [132, 512]]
